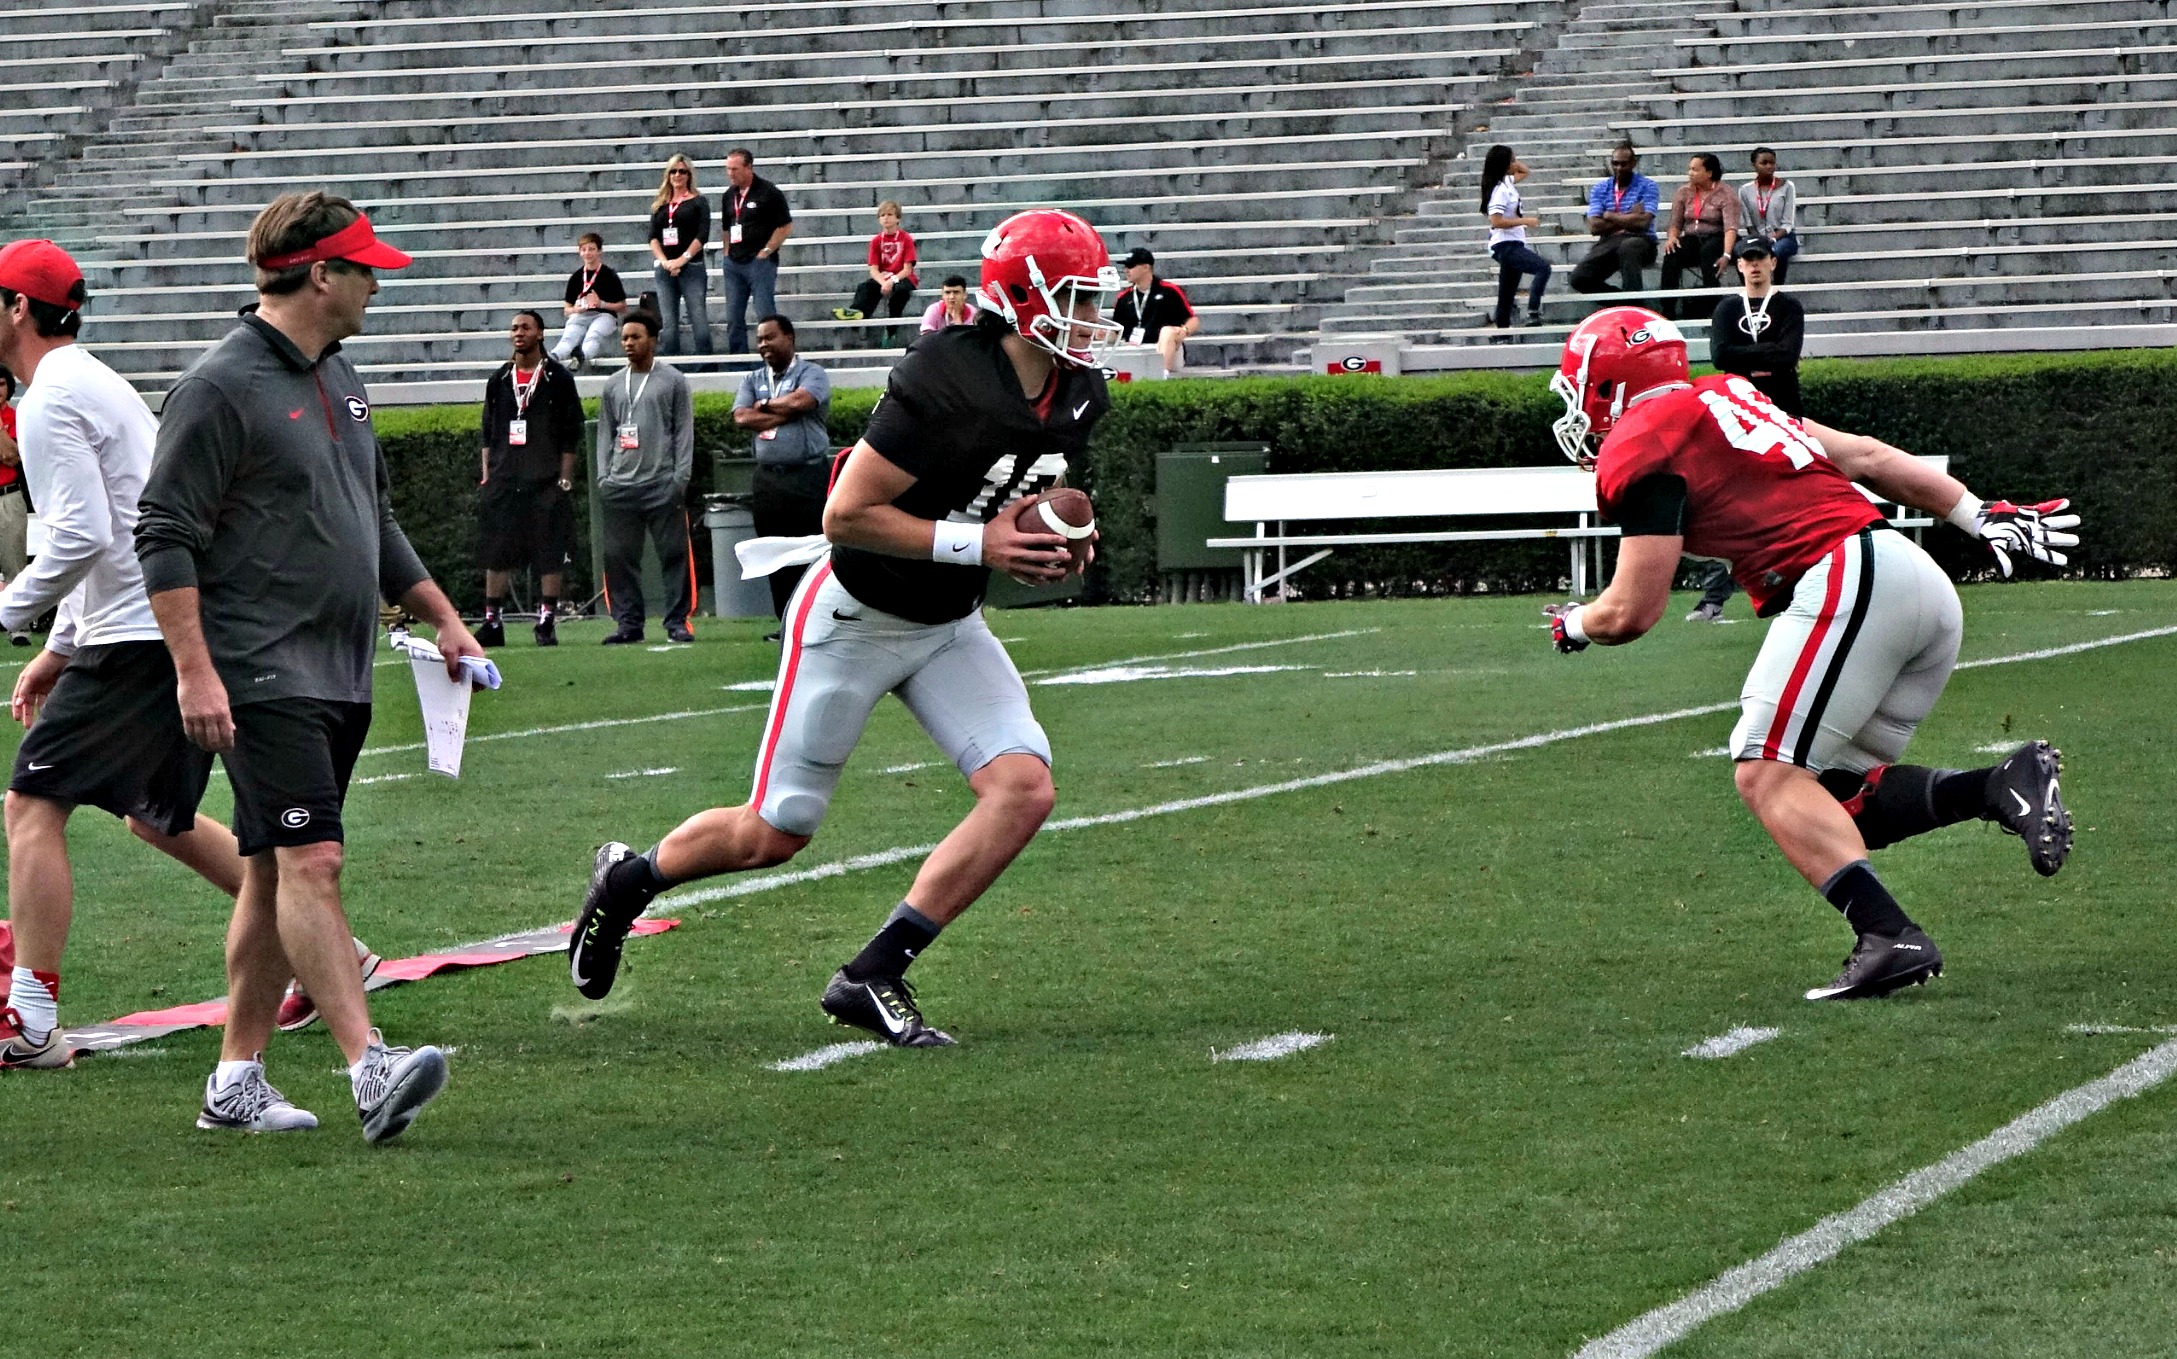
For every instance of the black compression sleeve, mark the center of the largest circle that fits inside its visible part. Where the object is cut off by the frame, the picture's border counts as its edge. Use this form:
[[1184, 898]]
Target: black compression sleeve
[[1654, 507]]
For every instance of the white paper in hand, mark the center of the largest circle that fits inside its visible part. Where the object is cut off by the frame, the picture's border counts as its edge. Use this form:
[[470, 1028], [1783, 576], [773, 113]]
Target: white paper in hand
[[445, 705]]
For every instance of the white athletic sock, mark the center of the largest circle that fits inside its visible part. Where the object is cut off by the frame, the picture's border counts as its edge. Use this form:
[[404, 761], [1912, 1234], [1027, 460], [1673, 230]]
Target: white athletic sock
[[231, 1073], [33, 1001]]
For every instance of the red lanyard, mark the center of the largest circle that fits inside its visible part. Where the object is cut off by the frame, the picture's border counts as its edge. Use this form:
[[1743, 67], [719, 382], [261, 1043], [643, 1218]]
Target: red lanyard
[[1617, 197], [589, 279], [1761, 202], [524, 390], [740, 200]]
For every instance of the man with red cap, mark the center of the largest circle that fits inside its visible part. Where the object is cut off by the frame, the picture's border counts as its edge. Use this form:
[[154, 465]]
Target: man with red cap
[[267, 538], [104, 729]]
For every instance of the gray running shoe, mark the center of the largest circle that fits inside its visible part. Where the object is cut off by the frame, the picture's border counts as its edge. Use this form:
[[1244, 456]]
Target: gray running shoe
[[1705, 613], [394, 1085], [1879, 966], [251, 1105]]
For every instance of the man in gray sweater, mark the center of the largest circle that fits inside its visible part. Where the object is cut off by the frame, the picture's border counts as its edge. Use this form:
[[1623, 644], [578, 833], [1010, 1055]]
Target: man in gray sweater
[[267, 538], [645, 454]]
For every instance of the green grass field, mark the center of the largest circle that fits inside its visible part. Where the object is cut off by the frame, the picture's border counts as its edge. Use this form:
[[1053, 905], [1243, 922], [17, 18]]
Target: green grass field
[[1501, 1151]]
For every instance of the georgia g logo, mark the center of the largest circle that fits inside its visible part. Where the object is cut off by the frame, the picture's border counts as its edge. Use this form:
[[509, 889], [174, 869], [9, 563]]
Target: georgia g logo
[[295, 818], [358, 408], [1657, 331]]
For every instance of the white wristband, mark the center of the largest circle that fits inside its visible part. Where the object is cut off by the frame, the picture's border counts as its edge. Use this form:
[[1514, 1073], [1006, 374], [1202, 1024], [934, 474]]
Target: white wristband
[[1571, 620], [1965, 515], [959, 544]]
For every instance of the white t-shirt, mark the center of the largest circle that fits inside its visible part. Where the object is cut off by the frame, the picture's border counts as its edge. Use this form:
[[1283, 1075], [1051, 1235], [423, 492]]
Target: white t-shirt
[[1504, 202], [87, 439]]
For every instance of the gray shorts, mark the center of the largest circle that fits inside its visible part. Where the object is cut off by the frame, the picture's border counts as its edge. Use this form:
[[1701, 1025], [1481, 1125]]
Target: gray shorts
[[840, 657], [1856, 663]]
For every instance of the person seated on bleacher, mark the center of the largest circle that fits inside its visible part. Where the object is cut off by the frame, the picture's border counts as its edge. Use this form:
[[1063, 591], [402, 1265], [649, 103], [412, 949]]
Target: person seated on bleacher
[[952, 307], [891, 271], [1621, 217], [1770, 209], [1704, 228], [595, 298], [1153, 311]]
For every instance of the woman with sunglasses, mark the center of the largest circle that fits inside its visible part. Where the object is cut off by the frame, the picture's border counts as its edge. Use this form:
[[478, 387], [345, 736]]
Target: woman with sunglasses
[[680, 221]]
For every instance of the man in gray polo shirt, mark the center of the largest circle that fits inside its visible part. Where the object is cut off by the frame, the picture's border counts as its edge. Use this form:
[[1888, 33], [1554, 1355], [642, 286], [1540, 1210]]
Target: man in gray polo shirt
[[266, 537], [645, 455], [785, 404]]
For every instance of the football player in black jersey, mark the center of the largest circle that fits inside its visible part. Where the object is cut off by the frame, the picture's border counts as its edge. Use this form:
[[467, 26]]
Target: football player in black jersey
[[973, 419]]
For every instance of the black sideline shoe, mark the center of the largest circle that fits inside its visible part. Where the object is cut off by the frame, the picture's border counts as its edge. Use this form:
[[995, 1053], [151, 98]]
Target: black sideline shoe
[[624, 637], [492, 633], [2023, 799], [600, 932], [547, 631], [883, 1005], [1879, 966]]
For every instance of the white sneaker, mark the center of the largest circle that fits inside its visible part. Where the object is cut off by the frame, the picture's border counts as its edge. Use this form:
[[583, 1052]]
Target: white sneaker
[[393, 1085], [250, 1105]]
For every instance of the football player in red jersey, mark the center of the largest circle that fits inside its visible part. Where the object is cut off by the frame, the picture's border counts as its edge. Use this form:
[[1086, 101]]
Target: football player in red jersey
[[973, 419], [1866, 625]]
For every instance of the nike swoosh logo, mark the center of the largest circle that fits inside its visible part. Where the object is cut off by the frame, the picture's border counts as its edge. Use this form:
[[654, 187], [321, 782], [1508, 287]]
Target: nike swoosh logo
[[846, 617], [1080, 408], [2025, 808], [579, 979], [38, 766], [958, 548], [884, 1013], [294, 415]]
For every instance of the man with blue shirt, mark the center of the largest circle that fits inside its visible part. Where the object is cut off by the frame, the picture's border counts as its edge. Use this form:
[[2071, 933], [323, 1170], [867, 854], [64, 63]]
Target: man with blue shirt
[[1621, 216], [784, 404]]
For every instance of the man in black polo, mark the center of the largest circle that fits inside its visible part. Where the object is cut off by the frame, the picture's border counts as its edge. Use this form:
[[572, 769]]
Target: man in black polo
[[266, 537], [1153, 311], [532, 432], [754, 222]]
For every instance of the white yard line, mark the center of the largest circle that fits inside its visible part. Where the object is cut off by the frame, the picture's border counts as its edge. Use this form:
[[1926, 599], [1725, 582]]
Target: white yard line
[[1725, 1044], [598, 725], [645, 773], [2049, 653], [2118, 1028], [1367, 674], [751, 687], [381, 778], [883, 858], [908, 768], [826, 1056], [1736, 1287], [1134, 674], [1270, 1049], [1208, 651], [1174, 764]]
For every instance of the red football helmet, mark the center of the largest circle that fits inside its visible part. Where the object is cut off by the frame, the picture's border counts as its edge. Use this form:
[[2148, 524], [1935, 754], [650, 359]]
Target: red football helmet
[[1038, 267], [1612, 358]]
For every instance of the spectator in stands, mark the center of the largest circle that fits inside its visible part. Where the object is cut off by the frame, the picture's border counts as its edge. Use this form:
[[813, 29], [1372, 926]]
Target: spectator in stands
[[891, 271], [1501, 173], [14, 501], [1704, 228], [1154, 311], [1621, 217], [1769, 207], [645, 455], [1757, 334], [594, 303], [756, 223], [532, 434], [784, 403], [680, 221], [952, 307]]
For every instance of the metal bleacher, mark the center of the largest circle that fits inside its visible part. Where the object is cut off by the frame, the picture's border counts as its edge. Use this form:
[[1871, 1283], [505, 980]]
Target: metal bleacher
[[1987, 175], [1254, 144]]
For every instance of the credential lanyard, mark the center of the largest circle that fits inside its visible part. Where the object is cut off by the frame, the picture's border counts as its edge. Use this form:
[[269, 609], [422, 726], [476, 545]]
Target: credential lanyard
[[635, 394], [523, 391]]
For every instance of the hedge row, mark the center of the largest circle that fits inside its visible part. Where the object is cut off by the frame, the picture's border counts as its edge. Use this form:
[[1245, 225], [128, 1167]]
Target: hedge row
[[2097, 427]]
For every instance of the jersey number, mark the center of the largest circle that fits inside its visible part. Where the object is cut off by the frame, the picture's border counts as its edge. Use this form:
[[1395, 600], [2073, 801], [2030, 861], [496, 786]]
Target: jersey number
[[1753, 424]]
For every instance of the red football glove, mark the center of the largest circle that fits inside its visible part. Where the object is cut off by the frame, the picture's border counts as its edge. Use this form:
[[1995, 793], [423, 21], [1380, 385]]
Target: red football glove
[[1562, 637]]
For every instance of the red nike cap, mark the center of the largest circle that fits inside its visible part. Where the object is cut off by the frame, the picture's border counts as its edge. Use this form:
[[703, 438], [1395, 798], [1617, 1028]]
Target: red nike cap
[[355, 243], [42, 272]]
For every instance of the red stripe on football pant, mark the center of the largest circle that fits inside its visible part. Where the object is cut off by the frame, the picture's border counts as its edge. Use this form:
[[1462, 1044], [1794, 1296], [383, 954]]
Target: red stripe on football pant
[[1789, 699], [809, 587]]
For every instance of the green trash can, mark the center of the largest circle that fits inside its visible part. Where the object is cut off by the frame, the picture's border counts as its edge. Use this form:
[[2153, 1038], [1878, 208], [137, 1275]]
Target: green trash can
[[1190, 509]]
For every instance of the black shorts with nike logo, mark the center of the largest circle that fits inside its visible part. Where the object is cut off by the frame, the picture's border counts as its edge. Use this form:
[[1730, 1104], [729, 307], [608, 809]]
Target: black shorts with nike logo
[[110, 737]]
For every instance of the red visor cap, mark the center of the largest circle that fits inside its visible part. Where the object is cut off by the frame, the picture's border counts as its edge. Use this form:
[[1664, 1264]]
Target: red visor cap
[[40, 271], [356, 243]]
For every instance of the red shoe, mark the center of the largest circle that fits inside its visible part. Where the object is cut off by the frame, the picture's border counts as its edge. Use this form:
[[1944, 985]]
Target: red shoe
[[298, 1011]]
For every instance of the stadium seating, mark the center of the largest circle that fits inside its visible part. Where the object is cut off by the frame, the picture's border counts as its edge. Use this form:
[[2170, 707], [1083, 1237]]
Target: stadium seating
[[2000, 164], [1252, 145]]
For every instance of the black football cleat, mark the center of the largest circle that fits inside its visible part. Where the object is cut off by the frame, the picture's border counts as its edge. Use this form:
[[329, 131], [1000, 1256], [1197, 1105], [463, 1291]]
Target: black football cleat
[[491, 633], [883, 1005], [2024, 799], [547, 631], [600, 932], [1879, 966]]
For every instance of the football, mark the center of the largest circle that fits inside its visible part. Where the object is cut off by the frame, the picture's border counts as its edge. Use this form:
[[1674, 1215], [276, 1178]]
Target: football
[[1065, 511]]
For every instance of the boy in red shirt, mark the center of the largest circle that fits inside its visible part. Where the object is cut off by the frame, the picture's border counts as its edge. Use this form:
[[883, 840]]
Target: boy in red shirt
[[891, 270]]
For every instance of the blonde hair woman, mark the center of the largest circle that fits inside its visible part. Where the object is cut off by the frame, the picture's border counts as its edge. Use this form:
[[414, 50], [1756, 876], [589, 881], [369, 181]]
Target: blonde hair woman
[[680, 222]]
